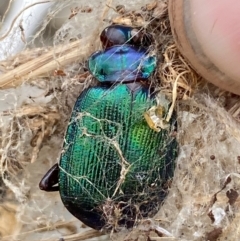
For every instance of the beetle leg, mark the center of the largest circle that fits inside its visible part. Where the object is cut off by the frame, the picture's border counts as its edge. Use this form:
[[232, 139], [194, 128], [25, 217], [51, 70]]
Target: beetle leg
[[50, 179]]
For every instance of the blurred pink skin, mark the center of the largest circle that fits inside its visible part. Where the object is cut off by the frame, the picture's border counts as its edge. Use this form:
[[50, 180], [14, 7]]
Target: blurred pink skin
[[216, 24]]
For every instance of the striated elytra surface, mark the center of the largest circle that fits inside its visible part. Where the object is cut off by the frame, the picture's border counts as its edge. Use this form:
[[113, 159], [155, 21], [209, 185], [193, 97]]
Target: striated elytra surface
[[122, 64], [115, 169], [107, 133]]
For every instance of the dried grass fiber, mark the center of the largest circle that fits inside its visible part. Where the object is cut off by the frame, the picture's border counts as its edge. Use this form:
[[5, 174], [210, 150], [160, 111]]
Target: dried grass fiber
[[203, 201]]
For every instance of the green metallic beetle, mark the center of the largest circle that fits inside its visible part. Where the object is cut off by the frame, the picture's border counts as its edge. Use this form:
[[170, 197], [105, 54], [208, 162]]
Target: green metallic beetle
[[114, 168]]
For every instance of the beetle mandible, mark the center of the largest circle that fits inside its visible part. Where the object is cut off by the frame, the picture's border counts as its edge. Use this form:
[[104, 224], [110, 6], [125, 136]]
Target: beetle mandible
[[114, 167]]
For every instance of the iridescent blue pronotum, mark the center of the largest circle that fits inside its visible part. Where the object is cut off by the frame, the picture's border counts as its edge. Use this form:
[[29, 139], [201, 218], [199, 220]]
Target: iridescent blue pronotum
[[114, 168]]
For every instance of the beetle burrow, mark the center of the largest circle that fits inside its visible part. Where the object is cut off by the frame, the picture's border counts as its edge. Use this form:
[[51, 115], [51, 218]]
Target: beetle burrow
[[114, 167]]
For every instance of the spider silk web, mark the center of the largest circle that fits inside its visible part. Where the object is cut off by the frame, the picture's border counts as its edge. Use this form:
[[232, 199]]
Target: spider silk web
[[202, 199]]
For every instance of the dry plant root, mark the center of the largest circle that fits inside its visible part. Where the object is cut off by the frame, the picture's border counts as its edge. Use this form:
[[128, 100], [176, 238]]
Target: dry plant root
[[40, 120], [8, 220], [147, 230]]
